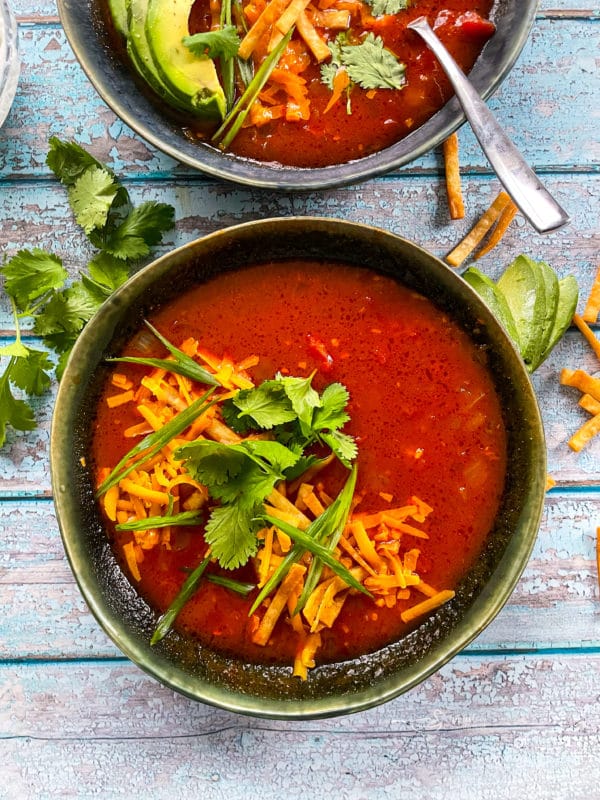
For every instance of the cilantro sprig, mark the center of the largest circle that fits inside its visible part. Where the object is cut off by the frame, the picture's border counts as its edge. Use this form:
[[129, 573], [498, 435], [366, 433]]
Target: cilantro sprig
[[219, 43], [36, 281], [242, 476], [369, 64], [381, 7]]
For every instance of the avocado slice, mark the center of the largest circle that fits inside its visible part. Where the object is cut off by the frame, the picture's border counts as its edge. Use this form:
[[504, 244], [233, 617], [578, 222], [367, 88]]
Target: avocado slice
[[552, 292], [187, 76], [568, 295], [140, 55], [494, 299], [118, 13], [523, 286]]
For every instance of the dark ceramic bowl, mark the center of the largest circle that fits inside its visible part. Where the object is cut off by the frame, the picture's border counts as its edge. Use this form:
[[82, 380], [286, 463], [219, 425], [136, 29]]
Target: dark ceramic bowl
[[344, 687], [116, 85]]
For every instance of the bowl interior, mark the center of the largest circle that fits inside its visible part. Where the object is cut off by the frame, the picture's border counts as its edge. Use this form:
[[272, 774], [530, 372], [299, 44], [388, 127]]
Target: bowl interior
[[117, 86], [271, 691]]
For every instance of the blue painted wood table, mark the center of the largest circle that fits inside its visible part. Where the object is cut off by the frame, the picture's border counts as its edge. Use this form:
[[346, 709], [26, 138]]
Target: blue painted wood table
[[517, 713]]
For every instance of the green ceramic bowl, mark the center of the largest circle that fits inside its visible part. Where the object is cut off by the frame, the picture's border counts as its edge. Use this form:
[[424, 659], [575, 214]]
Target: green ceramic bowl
[[340, 688]]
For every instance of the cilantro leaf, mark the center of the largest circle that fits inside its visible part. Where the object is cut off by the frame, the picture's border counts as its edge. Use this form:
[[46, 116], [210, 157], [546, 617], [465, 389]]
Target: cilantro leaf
[[342, 445], [212, 463], [67, 312], [68, 160], [108, 271], [91, 197], [267, 405], [381, 7], [32, 374], [328, 72], [302, 396], [16, 349], [62, 360], [30, 274], [142, 229], [17, 413], [246, 471], [221, 43], [332, 414], [371, 66], [231, 534], [276, 455]]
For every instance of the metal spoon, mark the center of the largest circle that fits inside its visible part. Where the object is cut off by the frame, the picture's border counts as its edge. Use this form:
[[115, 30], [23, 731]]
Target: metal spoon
[[517, 177]]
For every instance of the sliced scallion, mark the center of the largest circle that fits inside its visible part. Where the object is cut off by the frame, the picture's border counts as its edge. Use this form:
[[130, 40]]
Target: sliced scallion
[[155, 441]]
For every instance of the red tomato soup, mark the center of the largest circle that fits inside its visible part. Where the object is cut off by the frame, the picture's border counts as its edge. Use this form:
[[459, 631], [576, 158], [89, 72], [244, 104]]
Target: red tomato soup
[[423, 411], [319, 106], [363, 121]]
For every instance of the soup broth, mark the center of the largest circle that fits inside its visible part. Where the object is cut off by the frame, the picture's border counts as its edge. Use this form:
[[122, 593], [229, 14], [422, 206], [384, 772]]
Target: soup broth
[[313, 112], [423, 410]]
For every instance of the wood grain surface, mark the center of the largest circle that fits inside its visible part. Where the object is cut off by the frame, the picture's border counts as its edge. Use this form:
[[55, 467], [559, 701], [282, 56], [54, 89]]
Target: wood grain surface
[[515, 714]]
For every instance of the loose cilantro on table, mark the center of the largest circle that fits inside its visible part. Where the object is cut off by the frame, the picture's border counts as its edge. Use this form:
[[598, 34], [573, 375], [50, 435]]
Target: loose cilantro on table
[[36, 281]]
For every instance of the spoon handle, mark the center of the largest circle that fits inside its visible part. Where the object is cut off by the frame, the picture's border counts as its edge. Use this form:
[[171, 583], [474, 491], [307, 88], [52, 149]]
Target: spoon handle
[[517, 177]]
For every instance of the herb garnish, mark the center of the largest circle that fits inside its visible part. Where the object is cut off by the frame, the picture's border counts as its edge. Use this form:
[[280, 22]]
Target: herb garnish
[[180, 363], [155, 441], [219, 43], [235, 118], [241, 476], [36, 281], [368, 64], [381, 7], [183, 518], [325, 530]]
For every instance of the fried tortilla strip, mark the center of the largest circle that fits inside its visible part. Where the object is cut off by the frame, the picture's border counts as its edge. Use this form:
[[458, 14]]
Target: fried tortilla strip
[[271, 12], [592, 307], [585, 434], [588, 333], [476, 235], [456, 203], [315, 43], [587, 402], [579, 379], [506, 217]]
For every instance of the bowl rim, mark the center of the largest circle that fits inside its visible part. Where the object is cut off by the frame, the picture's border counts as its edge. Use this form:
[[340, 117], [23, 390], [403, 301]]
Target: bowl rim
[[10, 65], [483, 610], [267, 175]]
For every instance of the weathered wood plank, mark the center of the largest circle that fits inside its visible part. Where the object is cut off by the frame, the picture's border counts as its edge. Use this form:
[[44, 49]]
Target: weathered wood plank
[[558, 66], [36, 214], [481, 729], [555, 604]]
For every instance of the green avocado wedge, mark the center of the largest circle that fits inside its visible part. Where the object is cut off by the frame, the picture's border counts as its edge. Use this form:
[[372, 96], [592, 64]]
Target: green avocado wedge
[[118, 13], [191, 78], [551, 292], [523, 286], [493, 297], [568, 295], [140, 54], [532, 304]]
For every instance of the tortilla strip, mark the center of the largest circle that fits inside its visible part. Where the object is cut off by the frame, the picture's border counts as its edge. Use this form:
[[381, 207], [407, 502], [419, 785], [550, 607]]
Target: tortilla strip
[[456, 203], [464, 249]]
